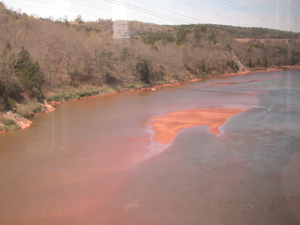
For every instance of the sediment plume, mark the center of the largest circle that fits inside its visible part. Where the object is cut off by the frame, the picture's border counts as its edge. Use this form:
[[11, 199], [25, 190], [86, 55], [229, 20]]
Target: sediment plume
[[166, 127]]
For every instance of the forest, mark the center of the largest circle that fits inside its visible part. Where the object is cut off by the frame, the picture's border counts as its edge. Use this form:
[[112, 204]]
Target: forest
[[58, 60]]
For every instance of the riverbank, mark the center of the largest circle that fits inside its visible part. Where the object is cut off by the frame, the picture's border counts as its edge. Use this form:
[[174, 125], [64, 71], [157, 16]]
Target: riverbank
[[19, 117], [13, 120], [55, 99]]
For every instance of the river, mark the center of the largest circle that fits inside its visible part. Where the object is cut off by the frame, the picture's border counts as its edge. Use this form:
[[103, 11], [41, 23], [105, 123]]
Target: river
[[96, 161]]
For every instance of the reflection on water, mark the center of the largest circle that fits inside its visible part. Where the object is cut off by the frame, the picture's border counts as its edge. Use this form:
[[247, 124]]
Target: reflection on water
[[94, 161]]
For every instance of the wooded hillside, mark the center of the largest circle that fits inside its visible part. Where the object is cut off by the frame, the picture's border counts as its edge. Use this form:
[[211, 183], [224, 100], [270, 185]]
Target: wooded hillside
[[38, 55]]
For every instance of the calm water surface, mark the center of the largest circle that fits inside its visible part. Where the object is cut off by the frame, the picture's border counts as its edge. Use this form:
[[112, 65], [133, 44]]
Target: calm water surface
[[94, 162]]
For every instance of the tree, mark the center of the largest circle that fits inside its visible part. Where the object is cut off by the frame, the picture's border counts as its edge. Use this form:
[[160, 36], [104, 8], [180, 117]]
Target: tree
[[3, 102], [124, 58], [79, 19], [9, 83], [143, 70], [6, 62], [181, 34], [31, 78]]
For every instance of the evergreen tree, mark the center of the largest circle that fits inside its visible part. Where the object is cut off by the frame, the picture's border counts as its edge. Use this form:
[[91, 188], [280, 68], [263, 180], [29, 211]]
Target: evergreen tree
[[2, 95], [7, 83], [6, 65], [143, 70], [31, 78]]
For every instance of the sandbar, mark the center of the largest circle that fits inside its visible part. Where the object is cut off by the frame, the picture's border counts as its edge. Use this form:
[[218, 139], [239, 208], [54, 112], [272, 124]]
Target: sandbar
[[166, 127]]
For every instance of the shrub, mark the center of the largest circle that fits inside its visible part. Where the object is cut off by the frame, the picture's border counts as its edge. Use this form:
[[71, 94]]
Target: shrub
[[110, 79], [233, 66], [2, 104], [8, 124], [29, 109], [11, 102]]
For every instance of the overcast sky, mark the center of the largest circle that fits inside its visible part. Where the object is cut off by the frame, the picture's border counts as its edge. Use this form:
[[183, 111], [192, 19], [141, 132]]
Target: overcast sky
[[276, 14]]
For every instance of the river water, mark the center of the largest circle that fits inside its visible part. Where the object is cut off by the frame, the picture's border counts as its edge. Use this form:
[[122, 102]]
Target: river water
[[94, 161]]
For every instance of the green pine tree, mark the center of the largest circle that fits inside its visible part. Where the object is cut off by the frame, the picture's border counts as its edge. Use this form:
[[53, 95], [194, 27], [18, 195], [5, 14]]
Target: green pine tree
[[31, 78]]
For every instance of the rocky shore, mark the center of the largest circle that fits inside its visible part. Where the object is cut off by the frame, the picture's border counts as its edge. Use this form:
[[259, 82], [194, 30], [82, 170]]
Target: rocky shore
[[11, 120]]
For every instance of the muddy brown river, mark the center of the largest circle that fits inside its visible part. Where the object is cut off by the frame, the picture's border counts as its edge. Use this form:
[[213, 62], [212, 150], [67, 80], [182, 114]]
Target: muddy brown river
[[220, 151]]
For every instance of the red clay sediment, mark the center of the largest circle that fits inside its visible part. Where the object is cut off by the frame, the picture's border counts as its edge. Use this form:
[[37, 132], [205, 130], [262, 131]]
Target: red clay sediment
[[166, 127]]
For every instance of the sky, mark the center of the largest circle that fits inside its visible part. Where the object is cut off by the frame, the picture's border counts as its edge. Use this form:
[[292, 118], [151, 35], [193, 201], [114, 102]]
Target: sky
[[275, 14]]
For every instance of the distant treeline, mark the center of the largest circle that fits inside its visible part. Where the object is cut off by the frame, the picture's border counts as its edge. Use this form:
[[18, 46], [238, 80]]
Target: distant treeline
[[256, 32], [40, 55]]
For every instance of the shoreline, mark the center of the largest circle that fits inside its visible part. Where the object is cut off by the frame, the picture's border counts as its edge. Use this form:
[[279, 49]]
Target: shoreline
[[52, 104], [154, 87]]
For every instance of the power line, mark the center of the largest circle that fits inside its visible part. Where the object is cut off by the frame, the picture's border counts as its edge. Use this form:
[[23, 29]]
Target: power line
[[261, 15], [73, 8], [160, 15], [212, 12], [92, 5], [129, 6], [149, 12], [255, 14], [170, 11], [145, 11], [96, 4], [80, 11]]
